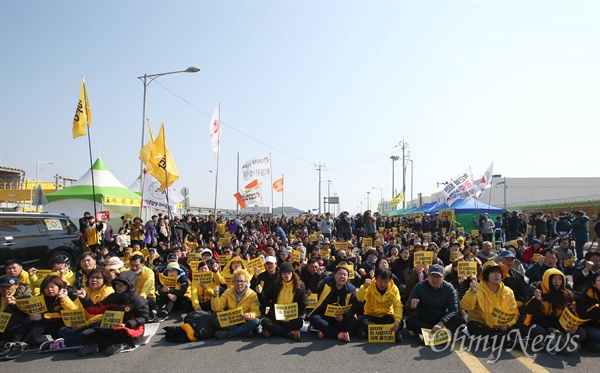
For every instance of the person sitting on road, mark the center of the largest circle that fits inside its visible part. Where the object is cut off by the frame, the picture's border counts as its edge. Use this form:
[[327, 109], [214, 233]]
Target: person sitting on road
[[60, 267], [240, 295], [545, 261], [588, 308], [264, 282], [203, 293], [170, 297], [588, 267], [228, 271], [382, 303], [14, 268], [144, 280], [11, 290]]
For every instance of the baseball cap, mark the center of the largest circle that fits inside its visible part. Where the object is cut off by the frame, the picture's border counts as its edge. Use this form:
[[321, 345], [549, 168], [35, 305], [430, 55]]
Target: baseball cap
[[271, 259], [436, 269]]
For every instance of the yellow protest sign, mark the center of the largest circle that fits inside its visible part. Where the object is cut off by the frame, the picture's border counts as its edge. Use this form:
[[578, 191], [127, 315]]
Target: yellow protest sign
[[423, 257], [228, 278], [381, 229], [334, 311], [515, 243], [194, 265], [394, 230], [350, 271], [312, 237], [408, 230], [475, 232], [466, 268], [367, 242], [224, 259], [256, 263], [194, 256], [75, 317], [145, 252], [32, 305], [167, 281], [569, 321], [340, 245], [535, 257], [502, 317], [311, 300], [454, 255], [43, 273], [223, 241], [295, 255], [381, 333], [121, 201], [570, 262], [286, 312], [450, 215], [202, 278], [4, 319], [433, 339], [292, 236], [461, 229], [112, 319], [231, 317], [324, 253], [377, 242]]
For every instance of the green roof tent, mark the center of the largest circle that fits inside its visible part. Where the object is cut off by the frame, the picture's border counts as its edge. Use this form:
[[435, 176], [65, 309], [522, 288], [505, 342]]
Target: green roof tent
[[78, 198]]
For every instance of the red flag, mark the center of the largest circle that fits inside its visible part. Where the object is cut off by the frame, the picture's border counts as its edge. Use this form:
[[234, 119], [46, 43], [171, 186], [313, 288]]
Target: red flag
[[278, 185], [252, 184], [240, 200]]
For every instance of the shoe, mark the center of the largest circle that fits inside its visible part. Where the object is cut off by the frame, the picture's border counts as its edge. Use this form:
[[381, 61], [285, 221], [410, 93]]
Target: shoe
[[115, 349], [363, 334], [152, 317], [398, 337], [344, 337], [57, 344], [223, 334], [551, 347], [6, 349], [18, 349], [295, 335], [320, 335], [88, 350], [412, 334], [266, 334], [248, 334], [162, 315], [182, 317], [44, 338]]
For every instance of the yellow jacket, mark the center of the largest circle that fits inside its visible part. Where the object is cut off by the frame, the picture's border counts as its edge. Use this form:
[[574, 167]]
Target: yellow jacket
[[481, 305], [96, 297], [249, 302], [144, 285], [378, 304], [201, 296]]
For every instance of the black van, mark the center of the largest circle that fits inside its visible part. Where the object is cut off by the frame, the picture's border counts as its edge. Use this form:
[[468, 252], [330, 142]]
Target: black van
[[38, 239]]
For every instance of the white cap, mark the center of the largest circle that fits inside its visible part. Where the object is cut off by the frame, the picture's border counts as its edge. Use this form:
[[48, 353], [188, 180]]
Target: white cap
[[271, 259]]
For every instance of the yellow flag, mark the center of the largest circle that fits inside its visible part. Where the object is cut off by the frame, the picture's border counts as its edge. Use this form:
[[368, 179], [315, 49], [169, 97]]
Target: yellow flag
[[145, 151], [83, 114], [162, 166]]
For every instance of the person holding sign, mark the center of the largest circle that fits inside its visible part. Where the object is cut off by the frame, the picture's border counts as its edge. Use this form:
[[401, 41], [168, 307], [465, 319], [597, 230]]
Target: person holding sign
[[144, 279], [545, 261], [491, 306], [239, 296], [228, 271], [289, 292], [590, 266], [14, 268], [382, 303], [335, 291], [173, 292], [544, 311], [135, 313], [10, 291], [202, 292], [589, 308], [264, 283]]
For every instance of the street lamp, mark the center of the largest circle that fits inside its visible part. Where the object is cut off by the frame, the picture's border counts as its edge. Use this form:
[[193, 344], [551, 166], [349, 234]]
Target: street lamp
[[504, 186], [368, 200], [411, 179], [328, 195], [37, 171], [381, 194], [147, 79], [394, 158]]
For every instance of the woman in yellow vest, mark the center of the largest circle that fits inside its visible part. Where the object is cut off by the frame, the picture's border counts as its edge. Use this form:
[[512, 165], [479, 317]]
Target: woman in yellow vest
[[203, 293]]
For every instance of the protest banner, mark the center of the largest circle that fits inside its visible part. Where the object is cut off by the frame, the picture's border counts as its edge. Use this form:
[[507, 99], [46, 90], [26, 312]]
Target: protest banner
[[333, 311], [4, 319], [311, 300], [296, 256], [231, 317], [286, 312], [569, 321], [256, 263], [167, 281], [32, 305], [367, 243], [454, 255], [194, 256], [340, 245], [350, 271], [381, 333], [43, 273], [434, 339], [75, 317], [112, 319], [202, 278], [570, 262], [423, 257], [224, 259], [502, 317], [466, 268]]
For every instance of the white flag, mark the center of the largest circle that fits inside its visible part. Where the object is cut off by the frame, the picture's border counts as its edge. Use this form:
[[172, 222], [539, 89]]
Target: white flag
[[215, 130], [256, 168], [460, 187], [153, 197], [486, 179], [253, 195]]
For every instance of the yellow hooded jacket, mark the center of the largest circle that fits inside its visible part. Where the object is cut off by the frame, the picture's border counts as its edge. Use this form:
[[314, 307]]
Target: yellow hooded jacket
[[480, 305], [378, 304], [249, 302], [96, 297]]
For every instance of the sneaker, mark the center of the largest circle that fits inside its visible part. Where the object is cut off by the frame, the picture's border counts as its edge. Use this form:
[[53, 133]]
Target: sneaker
[[18, 349], [162, 315], [88, 350], [295, 335], [152, 317], [44, 338], [57, 344], [248, 334], [113, 349], [344, 337], [223, 334], [398, 337], [266, 334], [6, 349], [320, 335], [363, 334], [551, 347]]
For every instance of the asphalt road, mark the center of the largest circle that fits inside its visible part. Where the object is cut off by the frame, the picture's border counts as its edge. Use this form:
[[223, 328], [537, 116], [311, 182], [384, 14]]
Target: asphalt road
[[308, 355]]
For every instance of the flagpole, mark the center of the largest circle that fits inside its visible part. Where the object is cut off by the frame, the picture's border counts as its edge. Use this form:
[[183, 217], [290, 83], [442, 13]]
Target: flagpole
[[217, 173], [90, 148], [271, 173], [237, 205], [166, 172], [282, 191]]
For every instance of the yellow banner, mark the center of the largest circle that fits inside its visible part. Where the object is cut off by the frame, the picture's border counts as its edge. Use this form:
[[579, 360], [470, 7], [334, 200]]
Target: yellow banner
[[4, 319], [43, 273], [475, 232], [570, 262], [286, 312], [433, 339], [367, 242], [231, 317], [224, 259], [223, 241], [569, 321], [312, 237], [256, 263], [351, 274], [112, 319], [502, 317], [340, 245], [120, 201], [381, 333], [194, 257], [311, 300], [295, 255], [334, 311], [454, 255], [75, 317], [167, 281], [466, 268], [32, 305], [202, 278], [423, 257]]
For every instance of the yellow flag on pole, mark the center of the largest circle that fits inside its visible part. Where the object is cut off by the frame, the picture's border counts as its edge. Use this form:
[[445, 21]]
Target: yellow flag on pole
[[145, 151], [162, 166], [396, 200], [83, 113]]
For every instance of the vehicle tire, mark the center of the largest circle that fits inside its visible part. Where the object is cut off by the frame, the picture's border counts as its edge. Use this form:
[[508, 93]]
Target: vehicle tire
[[63, 255]]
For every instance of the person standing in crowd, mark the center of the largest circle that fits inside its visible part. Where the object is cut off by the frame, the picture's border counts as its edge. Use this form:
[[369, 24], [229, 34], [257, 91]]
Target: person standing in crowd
[[92, 234], [487, 227], [326, 226], [137, 232], [579, 231]]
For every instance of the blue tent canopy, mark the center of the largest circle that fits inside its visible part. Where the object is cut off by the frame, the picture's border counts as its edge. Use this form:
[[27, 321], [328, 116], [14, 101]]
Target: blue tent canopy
[[469, 206], [424, 207]]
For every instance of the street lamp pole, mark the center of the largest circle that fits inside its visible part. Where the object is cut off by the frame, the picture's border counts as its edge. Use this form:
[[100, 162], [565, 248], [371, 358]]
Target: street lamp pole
[[394, 158], [368, 200], [147, 79], [37, 171], [381, 195]]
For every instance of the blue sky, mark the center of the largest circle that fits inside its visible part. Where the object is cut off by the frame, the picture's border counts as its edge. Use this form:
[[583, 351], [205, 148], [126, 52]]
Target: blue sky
[[341, 83]]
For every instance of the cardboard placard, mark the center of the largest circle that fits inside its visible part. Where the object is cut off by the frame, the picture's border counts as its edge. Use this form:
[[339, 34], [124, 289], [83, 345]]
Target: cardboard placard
[[336, 310], [502, 317], [32, 305], [454, 255], [570, 262], [194, 256], [535, 257], [231, 317], [286, 312], [112, 319], [256, 263], [43, 273], [569, 321], [351, 274], [434, 339], [340, 245], [296, 256], [4, 319], [466, 268], [224, 259], [311, 300], [381, 333], [167, 281], [75, 317], [202, 278], [367, 243], [423, 257]]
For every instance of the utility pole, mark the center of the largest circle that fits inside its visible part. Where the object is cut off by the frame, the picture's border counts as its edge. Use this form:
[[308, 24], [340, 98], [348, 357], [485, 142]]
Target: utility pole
[[394, 158], [404, 146], [320, 167]]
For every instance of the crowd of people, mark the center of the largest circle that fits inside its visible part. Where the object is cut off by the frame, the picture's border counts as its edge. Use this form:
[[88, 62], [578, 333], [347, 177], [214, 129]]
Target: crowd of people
[[337, 277]]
